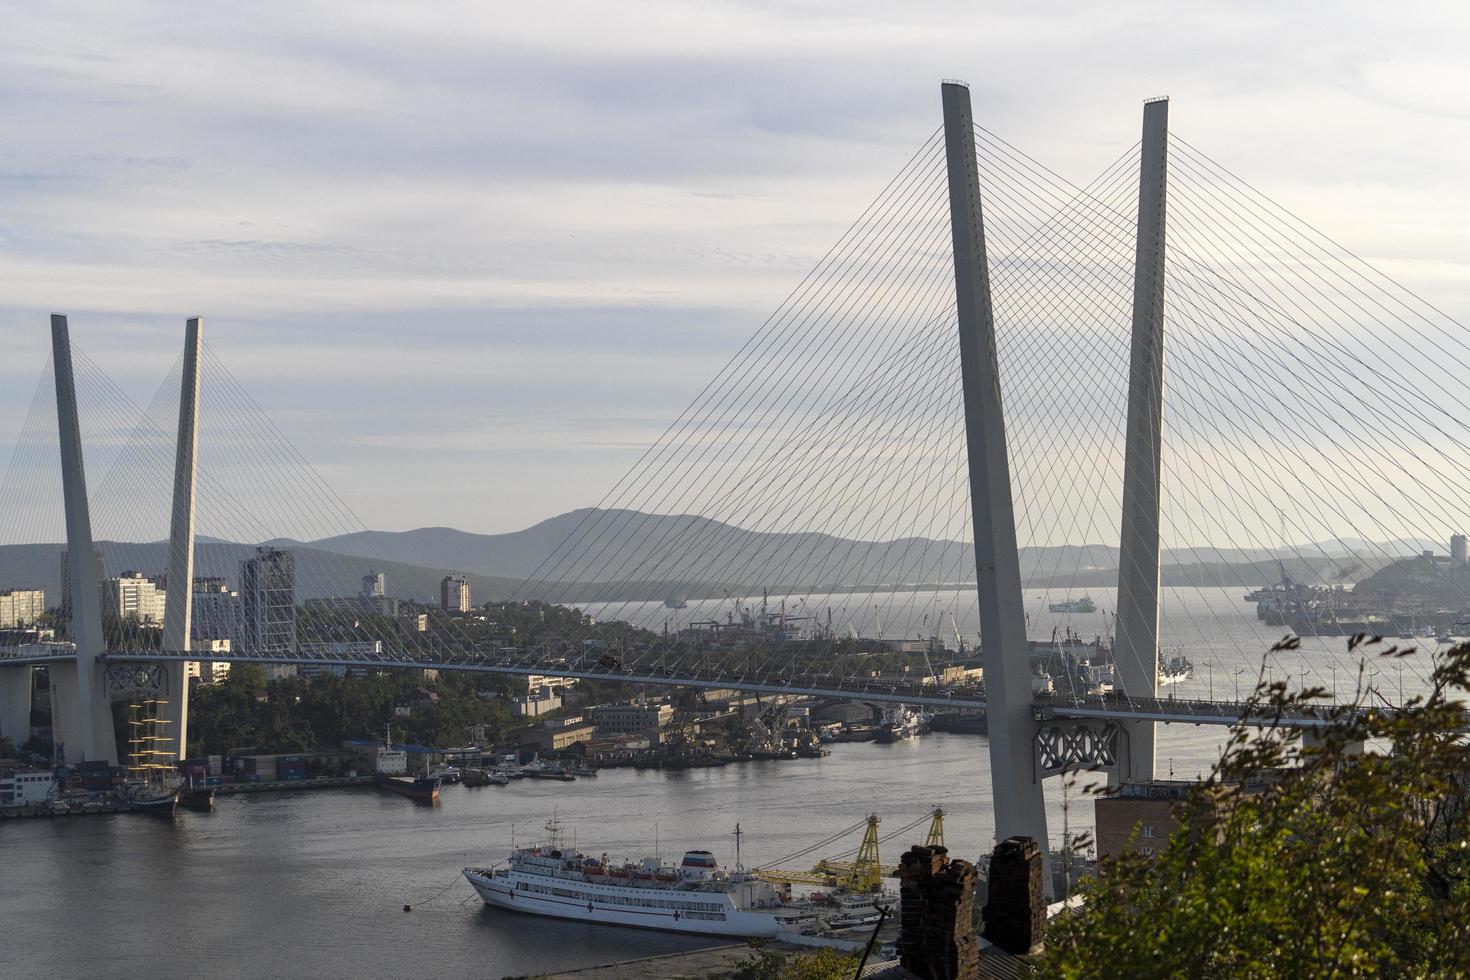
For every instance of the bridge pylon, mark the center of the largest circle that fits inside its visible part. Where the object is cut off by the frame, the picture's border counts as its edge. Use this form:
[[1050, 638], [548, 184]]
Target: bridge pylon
[[1136, 644], [79, 691], [179, 599], [1016, 788]]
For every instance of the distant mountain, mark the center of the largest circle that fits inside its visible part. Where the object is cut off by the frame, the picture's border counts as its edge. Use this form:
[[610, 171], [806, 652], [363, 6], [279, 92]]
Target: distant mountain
[[629, 555]]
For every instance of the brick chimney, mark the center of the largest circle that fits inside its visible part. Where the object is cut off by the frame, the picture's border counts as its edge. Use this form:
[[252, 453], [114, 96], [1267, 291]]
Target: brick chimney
[[937, 938], [1015, 913]]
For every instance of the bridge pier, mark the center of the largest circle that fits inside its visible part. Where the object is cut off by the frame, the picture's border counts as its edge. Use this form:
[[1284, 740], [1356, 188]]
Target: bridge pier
[[1020, 808], [16, 685], [1136, 645]]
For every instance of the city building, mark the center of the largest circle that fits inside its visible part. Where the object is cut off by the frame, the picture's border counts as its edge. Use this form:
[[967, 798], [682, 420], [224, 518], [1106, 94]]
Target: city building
[[542, 702], [631, 719], [559, 734], [65, 603], [208, 671], [21, 607], [374, 583], [454, 593], [1457, 548], [216, 612], [26, 788], [1140, 816], [133, 595], [268, 603]]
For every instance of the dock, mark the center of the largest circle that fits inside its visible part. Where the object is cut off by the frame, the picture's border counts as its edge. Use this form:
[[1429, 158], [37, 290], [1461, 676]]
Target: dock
[[291, 785]]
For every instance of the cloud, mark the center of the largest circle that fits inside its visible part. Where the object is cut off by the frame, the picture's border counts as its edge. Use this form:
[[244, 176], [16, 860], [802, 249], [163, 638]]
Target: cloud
[[552, 217]]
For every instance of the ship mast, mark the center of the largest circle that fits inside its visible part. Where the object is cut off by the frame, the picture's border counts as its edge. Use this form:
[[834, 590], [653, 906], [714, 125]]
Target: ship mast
[[739, 868]]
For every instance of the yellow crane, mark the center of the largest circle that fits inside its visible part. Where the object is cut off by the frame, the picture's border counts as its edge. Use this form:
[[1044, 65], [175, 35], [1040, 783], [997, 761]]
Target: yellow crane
[[864, 873]]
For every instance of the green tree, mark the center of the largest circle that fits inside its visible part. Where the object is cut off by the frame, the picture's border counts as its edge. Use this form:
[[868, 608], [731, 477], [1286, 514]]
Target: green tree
[[1293, 861]]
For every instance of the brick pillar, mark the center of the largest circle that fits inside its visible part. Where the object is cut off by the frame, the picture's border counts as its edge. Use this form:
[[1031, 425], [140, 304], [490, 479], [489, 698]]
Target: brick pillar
[[937, 896], [1015, 913]]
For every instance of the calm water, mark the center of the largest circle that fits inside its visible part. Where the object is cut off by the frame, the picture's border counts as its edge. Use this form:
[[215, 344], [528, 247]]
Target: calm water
[[1215, 627], [313, 884]]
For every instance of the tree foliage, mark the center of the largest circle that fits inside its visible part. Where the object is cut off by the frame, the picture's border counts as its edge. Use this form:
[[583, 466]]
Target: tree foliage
[[825, 964], [1295, 860], [296, 715]]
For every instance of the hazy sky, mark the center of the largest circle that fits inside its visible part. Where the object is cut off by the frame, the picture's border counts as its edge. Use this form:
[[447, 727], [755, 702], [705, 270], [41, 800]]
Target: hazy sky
[[473, 257]]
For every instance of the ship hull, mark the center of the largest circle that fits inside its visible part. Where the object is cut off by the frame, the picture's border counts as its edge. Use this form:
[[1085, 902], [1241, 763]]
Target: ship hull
[[423, 789], [499, 893], [160, 805]]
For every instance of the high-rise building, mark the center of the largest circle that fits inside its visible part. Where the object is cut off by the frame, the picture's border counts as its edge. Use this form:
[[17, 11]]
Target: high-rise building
[[268, 602], [216, 612], [132, 595], [454, 593], [21, 607], [374, 583], [65, 603], [1457, 548]]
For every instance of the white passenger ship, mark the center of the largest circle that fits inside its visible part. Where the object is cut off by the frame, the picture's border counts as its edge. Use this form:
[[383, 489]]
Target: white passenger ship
[[696, 896]]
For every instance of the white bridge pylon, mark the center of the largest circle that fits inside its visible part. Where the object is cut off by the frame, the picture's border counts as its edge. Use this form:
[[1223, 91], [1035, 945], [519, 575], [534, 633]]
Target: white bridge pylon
[[83, 683]]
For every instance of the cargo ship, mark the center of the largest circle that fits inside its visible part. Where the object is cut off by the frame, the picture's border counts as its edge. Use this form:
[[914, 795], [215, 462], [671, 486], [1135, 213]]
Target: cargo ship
[[424, 789], [392, 769], [695, 896]]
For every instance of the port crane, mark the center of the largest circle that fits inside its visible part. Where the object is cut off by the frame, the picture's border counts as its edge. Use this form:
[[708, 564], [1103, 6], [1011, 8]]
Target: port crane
[[865, 872]]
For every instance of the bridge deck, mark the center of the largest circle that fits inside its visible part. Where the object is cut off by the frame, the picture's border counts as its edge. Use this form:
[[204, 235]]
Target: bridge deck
[[1114, 706]]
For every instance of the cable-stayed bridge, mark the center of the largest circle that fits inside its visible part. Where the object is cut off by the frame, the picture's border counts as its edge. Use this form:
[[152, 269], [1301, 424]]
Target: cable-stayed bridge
[[1185, 365]]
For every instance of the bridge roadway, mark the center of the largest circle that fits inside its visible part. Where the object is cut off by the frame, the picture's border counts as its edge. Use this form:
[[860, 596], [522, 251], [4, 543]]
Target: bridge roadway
[[1114, 706]]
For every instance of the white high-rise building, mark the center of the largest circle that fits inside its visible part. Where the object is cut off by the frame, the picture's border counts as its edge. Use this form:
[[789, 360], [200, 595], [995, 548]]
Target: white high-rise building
[[133, 595], [21, 607]]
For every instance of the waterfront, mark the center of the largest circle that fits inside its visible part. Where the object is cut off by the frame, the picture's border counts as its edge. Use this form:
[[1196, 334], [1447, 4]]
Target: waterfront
[[1214, 627], [313, 884]]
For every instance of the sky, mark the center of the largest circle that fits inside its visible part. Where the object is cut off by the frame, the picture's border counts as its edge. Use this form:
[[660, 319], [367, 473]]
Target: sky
[[472, 258]]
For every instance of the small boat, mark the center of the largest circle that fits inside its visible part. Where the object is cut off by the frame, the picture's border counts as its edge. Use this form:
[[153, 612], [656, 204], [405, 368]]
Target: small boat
[[1174, 670], [483, 777], [1082, 605], [584, 771], [540, 770], [200, 799]]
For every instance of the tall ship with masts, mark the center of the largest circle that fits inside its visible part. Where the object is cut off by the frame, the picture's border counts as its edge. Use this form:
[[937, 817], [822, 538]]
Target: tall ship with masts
[[153, 783]]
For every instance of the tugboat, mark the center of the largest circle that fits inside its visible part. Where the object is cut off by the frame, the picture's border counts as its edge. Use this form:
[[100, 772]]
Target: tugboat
[[152, 786], [197, 798]]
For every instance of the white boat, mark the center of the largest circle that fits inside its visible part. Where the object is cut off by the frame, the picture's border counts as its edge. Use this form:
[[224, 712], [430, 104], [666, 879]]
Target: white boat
[[695, 896], [1175, 669]]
